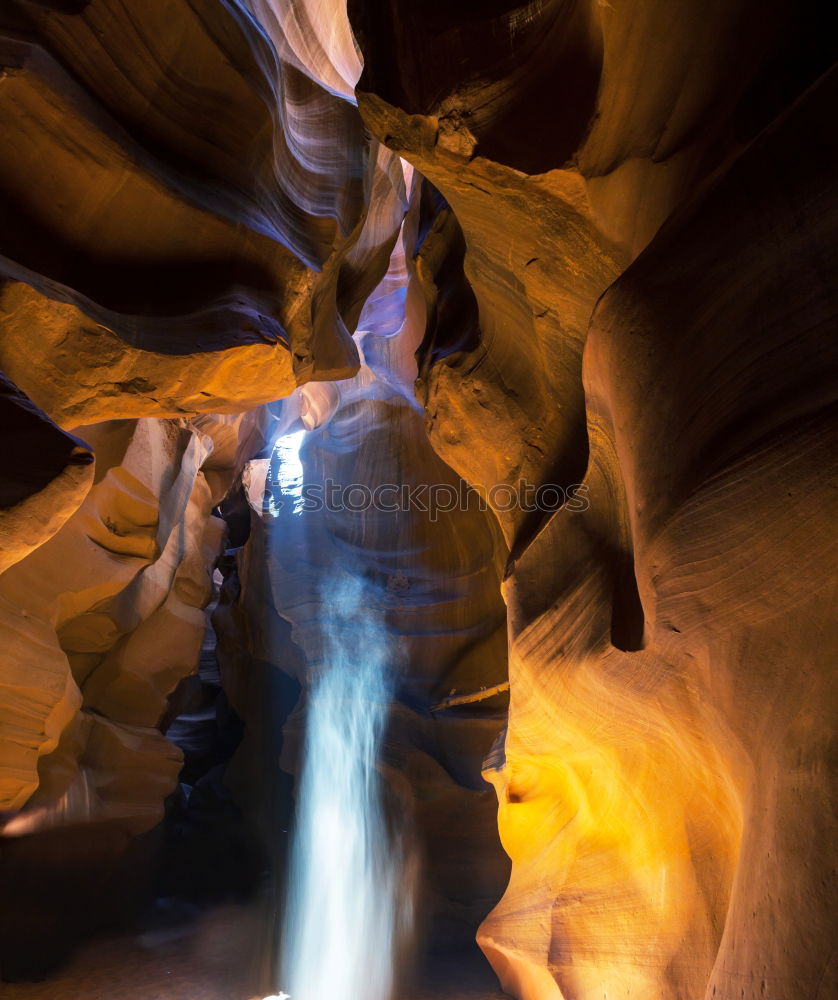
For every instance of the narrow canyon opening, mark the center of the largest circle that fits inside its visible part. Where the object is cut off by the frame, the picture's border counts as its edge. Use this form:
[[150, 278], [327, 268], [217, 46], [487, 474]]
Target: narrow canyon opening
[[417, 522]]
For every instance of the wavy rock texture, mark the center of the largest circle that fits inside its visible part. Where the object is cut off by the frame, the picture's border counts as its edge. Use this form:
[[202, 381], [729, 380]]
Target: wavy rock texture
[[171, 186], [105, 619], [103, 626], [606, 231], [196, 223], [665, 805], [189, 228]]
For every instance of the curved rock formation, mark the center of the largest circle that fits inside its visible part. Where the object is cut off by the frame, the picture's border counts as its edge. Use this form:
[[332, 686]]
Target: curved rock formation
[[106, 618], [641, 802], [168, 190], [578, 248]]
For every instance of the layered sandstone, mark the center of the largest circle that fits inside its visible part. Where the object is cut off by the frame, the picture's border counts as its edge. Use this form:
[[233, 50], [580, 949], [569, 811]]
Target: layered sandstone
[[105, 618], [647, 776], [607, 232]]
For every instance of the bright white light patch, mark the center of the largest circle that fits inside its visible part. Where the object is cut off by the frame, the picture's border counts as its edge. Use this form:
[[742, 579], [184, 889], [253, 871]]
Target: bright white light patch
[[289, 473]]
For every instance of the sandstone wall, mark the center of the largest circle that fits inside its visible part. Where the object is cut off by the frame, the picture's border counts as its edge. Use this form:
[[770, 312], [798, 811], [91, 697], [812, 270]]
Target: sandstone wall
[[614, 262], [645, 227]]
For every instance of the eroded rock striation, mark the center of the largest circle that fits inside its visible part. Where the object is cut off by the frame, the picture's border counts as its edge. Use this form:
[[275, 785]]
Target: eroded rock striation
[[104, 618], [575, 245], [651, 752]]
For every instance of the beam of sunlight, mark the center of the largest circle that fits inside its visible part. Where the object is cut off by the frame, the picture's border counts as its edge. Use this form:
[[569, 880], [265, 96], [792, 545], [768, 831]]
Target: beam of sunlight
[[289, 474], [349, 907]]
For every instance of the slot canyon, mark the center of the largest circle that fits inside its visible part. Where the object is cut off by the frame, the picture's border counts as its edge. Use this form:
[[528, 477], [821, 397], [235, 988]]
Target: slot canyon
[[418, 512]]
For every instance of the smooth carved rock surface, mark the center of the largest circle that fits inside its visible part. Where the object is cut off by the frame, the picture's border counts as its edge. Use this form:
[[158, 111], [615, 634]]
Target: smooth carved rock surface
[[178, 198], [666, 784], [193, 219], [105, 618], [544, 244], [607, 231]]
